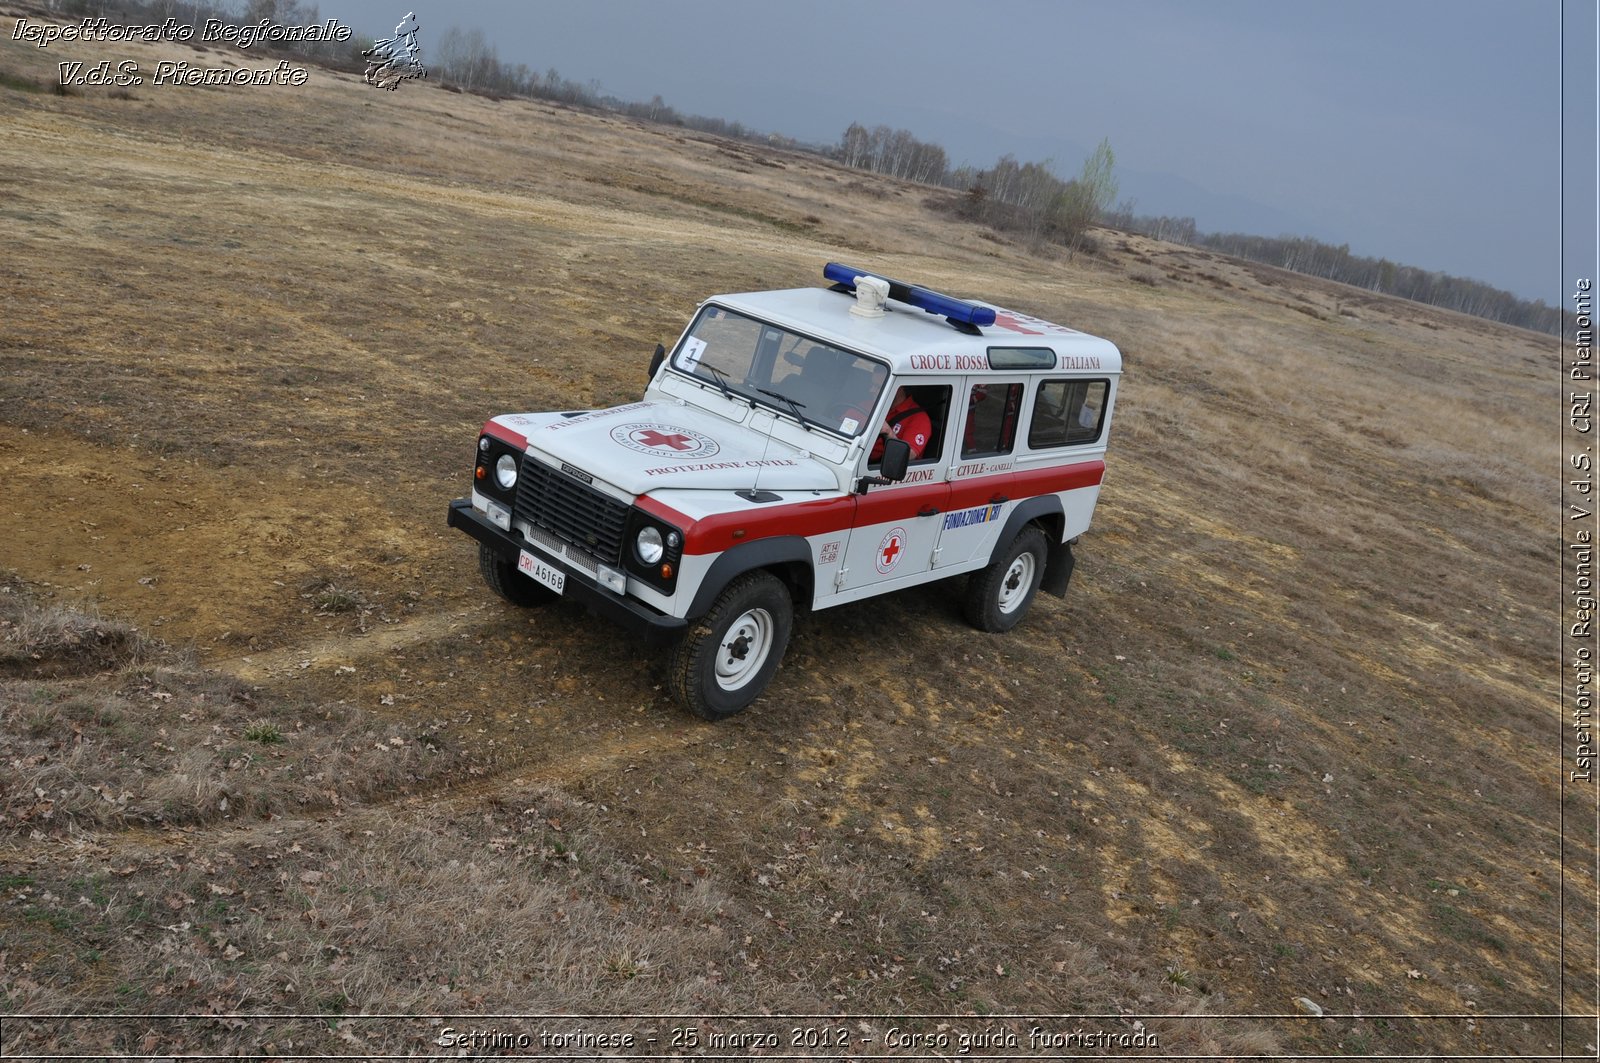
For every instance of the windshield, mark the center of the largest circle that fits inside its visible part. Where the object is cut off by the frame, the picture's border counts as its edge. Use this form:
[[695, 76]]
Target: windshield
[[770, 365]]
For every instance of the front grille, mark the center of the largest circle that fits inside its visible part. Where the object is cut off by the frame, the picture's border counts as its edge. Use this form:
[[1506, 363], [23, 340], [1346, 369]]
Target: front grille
[[556, 546], [571, 510]]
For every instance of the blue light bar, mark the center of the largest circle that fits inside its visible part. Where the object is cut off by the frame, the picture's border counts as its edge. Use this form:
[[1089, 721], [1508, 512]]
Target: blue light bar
[[956, 310]]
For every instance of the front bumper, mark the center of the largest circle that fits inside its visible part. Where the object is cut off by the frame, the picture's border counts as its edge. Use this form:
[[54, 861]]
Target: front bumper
[[632, 616]]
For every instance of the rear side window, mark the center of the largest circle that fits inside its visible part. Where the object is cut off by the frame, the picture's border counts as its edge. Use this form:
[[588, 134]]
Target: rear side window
[[1068, 412], [991, 419]]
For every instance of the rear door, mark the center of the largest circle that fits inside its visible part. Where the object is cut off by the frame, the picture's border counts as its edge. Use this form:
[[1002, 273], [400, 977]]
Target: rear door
[[982, 471]]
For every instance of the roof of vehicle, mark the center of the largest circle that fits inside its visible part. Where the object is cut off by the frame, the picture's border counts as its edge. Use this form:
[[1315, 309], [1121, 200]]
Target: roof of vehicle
[[913, 340]]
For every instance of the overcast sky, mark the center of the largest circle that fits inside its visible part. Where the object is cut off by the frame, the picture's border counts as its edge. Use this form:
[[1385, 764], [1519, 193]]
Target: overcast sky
[[1426, 131]]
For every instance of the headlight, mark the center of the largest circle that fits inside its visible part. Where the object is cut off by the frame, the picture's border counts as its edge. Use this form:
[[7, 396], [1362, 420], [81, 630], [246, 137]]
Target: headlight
[[505, 472], [648, 545]]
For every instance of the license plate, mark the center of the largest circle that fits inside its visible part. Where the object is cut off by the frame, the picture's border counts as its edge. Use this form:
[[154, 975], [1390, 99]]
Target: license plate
[[533, 568]]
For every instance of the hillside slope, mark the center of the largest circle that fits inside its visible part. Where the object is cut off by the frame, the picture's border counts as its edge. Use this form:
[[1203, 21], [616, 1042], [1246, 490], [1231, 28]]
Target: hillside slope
[[1292, 734]]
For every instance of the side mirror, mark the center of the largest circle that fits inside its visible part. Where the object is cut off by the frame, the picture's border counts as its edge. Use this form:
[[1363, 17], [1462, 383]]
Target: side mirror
[[891, 469], [896, 459], [656, 360]]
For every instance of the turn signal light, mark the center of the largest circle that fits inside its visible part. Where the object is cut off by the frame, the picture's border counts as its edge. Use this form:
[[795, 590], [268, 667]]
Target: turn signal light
[[480, 472], [666, 571]]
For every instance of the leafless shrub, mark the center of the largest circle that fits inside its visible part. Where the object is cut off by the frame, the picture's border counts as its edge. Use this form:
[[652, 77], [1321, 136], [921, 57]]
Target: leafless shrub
[[335, 597], [43, 639]]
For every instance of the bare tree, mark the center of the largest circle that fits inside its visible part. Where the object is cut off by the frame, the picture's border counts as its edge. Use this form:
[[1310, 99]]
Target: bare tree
[[466, 57], [1081, 203], [854, 149]]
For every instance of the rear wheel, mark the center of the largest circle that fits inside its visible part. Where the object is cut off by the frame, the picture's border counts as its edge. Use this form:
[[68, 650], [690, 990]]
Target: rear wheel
[[730, 655], [998, 596], [504, 579]]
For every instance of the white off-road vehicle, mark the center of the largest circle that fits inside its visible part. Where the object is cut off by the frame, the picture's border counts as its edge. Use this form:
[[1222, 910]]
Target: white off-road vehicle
[[807, 447]]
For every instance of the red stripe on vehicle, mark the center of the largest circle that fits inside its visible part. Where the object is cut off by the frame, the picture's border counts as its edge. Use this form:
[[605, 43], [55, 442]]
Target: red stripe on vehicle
[[982, 491], [884, 504], [1058, 478], [723, 531], [1016, 486], [505, 435], [664, 513]]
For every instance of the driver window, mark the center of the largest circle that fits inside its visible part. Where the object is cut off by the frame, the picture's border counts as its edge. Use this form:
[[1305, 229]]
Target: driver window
[[917, 415]]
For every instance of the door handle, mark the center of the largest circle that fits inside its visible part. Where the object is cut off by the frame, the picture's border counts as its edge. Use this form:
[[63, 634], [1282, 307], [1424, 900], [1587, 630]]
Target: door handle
[[998, 500], [928, 511]]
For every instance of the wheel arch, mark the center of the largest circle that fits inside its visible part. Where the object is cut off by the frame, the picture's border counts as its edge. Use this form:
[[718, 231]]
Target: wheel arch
[[788, 557], [1046, 511]]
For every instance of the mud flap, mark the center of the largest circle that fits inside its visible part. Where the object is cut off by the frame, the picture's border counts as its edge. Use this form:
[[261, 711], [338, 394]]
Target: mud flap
[[1057, 570]]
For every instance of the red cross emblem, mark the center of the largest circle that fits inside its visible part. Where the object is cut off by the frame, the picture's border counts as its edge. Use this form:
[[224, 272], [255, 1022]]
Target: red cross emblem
[[1007, 321], [890, 549], [659, 439], [676, 440], [891, 552]]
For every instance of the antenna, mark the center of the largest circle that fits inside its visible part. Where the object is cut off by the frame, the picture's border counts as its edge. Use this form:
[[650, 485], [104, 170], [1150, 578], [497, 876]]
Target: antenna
[[753, 493]]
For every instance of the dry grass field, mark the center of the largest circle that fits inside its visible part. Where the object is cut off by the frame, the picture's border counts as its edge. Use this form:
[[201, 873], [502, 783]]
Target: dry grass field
[[274, 756]]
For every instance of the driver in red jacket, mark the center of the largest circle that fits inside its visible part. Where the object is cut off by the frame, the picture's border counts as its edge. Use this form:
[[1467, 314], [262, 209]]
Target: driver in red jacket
[[907, 421]]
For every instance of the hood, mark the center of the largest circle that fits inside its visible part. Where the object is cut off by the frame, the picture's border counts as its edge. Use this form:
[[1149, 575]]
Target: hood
[[647, 446]]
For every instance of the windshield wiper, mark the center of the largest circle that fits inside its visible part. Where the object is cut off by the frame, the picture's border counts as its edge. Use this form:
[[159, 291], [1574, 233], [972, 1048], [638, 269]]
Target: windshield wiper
[[793, 405], [721, 379]]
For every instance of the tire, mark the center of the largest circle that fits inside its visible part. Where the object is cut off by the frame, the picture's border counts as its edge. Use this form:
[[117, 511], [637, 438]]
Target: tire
[[998, 597], [730, 655], [504, 579]]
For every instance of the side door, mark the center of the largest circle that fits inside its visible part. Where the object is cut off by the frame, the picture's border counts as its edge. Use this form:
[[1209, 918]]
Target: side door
[[896, 527], [982, 468]]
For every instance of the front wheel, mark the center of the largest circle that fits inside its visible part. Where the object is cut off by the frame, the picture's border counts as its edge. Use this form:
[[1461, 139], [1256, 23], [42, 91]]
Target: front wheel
[[998, 596], [729, 655]]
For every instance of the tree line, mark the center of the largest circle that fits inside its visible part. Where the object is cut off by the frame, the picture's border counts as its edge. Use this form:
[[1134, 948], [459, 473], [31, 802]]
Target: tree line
[[1317, 258], [1302, 254], [1030, 199], [1026, 198]]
